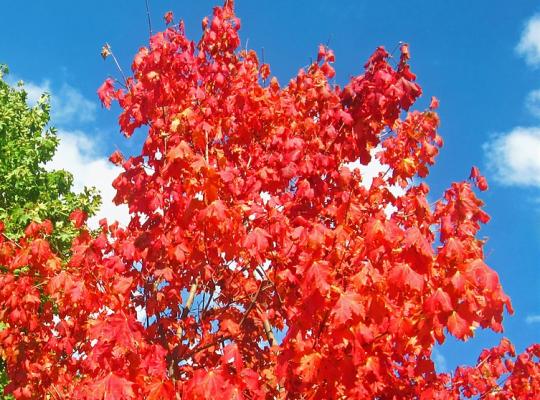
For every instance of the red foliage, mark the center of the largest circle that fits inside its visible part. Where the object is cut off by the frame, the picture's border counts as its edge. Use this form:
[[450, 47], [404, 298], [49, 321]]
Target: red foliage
[[248, 220]]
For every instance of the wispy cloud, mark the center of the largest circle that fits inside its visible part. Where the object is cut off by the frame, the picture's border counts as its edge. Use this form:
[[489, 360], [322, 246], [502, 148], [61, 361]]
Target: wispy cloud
[[529, 44], [68, 105], [514, 157], [532, 319], [439, 360], [532, 102], [79, 154]]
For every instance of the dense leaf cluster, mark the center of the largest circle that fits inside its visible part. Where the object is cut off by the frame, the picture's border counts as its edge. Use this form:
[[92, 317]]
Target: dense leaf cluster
[[257, 263], [29, 192]]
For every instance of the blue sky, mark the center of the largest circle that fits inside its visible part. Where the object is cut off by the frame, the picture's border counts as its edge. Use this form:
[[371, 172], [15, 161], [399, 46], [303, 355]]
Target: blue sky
[[480, 58]]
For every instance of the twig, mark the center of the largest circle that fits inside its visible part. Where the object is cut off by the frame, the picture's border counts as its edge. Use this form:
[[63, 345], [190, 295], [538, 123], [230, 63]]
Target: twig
[[148, 17], [252, 304], [191, 298], [108, 46], [269, 332], [11, 240]]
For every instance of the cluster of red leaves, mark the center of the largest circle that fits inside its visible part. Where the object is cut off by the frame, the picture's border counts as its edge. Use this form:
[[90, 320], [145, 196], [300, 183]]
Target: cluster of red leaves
[[247, 220]]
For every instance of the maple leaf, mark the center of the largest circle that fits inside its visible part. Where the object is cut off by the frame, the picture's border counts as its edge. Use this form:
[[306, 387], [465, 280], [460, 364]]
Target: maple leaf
[[256, 241], [122, 285], [116, 158], [309, 367], [209, 384], [348, 306], [78, 217], [106, 92], [434, 104], [230, 326], [415, 239], [116, 328], [113, 387], [480, 180], [458, 326], [181, 151], [317, 277], [403, 275], [41, 249], [160, 390], [231, 355], [168, 17], [438, 302]]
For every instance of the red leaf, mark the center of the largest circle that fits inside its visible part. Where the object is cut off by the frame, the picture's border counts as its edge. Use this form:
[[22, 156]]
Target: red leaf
[[403, 275], [160, 390], [348, 306], [209, 385], [434, 103], [106, 92], [458, 326], [316, 277], [168, 17], [113, 387], [438, 302], [309, 367], [256, 241], [78, 217], [116, 158]]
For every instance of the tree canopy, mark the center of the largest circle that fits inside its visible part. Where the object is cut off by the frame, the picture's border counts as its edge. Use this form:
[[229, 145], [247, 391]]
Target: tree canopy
[[257, 263]]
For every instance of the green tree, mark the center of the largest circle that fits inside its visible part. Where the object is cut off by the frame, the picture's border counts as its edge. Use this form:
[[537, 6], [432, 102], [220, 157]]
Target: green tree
[[28, 191]]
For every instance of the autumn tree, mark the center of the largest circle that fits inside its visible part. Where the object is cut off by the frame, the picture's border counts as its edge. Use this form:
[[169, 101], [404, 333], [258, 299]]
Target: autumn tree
[[28, 191], [256, 265]]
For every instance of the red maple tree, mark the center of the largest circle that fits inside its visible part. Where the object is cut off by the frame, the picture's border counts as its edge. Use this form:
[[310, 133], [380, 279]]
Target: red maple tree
[[262, 265]]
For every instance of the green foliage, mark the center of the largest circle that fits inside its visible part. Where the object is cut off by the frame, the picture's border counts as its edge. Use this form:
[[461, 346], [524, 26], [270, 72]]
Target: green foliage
[[29, 192]]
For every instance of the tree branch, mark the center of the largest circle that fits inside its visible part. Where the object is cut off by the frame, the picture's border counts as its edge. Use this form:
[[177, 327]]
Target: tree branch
[[11, 240], [269, 333], [148, 17]]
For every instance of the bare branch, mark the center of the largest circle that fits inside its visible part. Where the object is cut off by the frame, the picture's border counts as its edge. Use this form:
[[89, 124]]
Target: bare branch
[[148, 17]]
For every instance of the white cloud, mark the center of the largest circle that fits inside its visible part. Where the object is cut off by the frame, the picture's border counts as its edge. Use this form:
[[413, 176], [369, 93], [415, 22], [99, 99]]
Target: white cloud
[[34, 91], [532, 319], [514, 158], [529, 44], [77, 153], [373, 169], [532, 102], [68, 105]]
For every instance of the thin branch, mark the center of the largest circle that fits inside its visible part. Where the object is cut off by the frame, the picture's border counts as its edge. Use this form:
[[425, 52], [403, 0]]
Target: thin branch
[[205, 346], [191, 298], [495, 389], [269, 333], [148, 17], [252, 304], [11, 240], [109, 48]]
